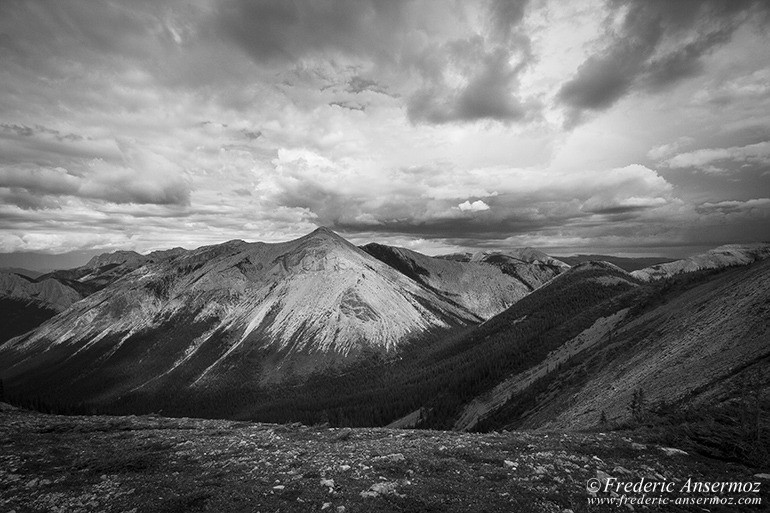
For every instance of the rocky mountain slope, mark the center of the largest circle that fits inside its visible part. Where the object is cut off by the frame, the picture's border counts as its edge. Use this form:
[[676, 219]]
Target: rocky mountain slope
[[532, 338], [430, 382], [698, 347], [697, 342], [157, 464], [30, 298], [479, 285], [226, 315], [718, 258], [102, 270]]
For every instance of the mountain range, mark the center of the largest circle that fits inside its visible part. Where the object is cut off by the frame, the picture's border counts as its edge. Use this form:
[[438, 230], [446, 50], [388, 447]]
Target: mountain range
[[319, 330]]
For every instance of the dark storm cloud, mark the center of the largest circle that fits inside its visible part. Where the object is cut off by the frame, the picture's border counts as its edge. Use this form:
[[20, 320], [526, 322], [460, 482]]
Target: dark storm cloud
[[358, 85], [682, 31], [251, 135], [620, 209], [285, 30], [25, 200], [376, 32], [488, 94], [25, 131], [506, 15], [349, 106], [463, 229], [491, 88], [114, 184]]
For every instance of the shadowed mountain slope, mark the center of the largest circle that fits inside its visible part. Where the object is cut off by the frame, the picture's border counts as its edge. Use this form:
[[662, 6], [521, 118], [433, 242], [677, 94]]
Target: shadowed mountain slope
[[690, 343]]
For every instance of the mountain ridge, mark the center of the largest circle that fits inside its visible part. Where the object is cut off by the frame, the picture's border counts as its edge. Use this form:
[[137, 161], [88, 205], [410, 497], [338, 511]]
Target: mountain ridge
[[318, 329], [483, 288]]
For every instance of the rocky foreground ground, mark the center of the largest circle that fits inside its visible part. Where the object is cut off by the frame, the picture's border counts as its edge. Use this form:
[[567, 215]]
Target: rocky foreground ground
[[157, 464]]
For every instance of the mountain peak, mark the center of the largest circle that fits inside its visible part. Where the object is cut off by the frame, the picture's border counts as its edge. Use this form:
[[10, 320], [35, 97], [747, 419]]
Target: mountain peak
[[323, 230], [325, 234], [116, 257]]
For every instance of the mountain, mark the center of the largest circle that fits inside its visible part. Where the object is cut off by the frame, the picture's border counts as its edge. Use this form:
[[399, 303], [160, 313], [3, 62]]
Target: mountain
[[626, 263], [428, 382], [539, 364], [527, 255], [699, 342], [477, 285], [131, 258], [529, 266], [26, 303], [686, 359], [723, 256], [23, 272], [46, 291], [104, 269], [317, 330], [30, 298], [228, 315]]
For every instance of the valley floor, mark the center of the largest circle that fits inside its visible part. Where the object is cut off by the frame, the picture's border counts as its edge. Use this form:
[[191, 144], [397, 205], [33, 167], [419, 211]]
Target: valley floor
[[158, 464]]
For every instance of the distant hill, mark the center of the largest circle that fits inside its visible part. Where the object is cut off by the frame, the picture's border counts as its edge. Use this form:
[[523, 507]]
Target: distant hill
[[718, 258], [527, 255], [47, 292], [626, 263], [23, 272], [32, 297]]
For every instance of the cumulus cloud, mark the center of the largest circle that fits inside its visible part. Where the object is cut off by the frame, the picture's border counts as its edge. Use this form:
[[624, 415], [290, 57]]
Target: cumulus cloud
[[476, 206], [705, 159], [487, 94], [759, 206], [665, 150], [139, 176], [425, 202]]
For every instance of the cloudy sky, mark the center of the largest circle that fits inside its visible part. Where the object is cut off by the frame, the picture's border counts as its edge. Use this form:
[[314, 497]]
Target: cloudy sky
[[612, 126]]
